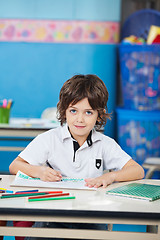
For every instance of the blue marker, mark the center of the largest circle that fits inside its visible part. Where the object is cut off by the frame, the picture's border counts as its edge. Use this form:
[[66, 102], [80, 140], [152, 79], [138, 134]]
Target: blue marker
[[9, 191], [36, 190]]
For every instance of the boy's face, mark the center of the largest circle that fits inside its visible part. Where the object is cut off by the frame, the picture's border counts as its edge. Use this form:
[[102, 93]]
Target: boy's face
[[81, 119]]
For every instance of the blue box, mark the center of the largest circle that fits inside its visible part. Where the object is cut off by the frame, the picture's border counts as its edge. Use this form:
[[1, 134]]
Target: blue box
[[139, 133], [140, 76]]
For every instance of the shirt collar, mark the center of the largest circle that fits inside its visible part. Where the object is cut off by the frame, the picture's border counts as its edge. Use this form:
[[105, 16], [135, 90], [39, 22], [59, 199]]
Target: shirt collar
[[65, 132], [96, 136]]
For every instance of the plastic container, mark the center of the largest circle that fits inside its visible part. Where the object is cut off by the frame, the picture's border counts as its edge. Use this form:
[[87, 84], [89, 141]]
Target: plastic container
[[139, 23], [140, 76], [139, 133], [4, 115]]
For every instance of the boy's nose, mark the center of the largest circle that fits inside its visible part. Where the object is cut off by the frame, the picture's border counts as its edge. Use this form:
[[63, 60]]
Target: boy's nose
[[80, 117]]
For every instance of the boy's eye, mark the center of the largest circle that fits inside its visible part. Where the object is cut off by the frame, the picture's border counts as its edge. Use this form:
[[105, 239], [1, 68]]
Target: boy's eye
[[88, 112], [73, 111]]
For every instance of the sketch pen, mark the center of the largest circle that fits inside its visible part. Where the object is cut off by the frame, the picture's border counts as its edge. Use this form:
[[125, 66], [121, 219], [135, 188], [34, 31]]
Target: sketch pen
[[50, 195], [29, 194], [9, 191], [5, 190], [36, 190], [46, 192], [49, 165], [0, 178], [48, 199], [4, 103], [9, 104], [21, 195]]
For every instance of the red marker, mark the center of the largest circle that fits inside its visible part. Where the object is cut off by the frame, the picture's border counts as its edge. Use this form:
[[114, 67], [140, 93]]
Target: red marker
[[49, 195], [39, 192]]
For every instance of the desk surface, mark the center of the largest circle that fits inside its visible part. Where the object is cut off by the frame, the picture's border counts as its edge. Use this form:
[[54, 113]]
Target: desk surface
[[26, 127], [29, 123], [93, 203]]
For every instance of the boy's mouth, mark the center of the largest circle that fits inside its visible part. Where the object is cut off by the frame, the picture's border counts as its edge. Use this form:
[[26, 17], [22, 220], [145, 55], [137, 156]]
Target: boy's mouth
[[77, 126]]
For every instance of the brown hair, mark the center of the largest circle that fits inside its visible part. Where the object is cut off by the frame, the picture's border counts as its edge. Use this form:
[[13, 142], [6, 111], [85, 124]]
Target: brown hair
[[84, 86]]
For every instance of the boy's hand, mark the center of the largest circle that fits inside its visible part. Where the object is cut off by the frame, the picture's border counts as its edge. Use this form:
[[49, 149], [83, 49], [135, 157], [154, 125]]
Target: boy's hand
[[102, 181], [48, 174]]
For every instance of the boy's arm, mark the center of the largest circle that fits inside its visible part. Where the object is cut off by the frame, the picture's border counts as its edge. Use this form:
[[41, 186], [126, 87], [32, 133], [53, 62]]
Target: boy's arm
[[130, 171], [42, 172]]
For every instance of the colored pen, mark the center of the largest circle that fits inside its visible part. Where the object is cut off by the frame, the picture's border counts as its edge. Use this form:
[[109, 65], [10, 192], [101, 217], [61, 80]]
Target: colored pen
[[48, 199], [36, 193], [49, 165], [22, 195], [49, 195], [4, 103], [9, 104], [47, 192], [28, 194], [36, 190], [9, 191], [5, 190], [2, 191]]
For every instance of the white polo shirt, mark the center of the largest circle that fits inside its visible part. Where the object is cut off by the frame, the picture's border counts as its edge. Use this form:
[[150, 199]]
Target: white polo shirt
[[56, 147]]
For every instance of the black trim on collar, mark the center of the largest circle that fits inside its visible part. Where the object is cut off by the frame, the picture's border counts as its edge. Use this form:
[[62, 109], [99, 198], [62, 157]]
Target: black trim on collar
[[76, 144], [89, 139], [75, 147]]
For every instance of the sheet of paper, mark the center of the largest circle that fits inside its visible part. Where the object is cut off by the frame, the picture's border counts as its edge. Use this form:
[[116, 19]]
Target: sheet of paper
[[24, 180]]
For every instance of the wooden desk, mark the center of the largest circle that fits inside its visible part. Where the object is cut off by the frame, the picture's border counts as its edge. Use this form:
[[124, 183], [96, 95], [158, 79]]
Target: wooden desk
[[88, 207]]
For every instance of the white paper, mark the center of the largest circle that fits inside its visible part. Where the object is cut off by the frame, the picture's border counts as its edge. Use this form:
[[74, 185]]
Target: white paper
[[24, 180]]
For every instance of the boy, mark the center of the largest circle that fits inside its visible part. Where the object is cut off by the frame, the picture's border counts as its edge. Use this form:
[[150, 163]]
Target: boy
[[76, 149]]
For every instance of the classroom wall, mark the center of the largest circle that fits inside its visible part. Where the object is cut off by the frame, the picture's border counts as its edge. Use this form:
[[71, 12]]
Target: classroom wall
[[33, 70], [97, 10]]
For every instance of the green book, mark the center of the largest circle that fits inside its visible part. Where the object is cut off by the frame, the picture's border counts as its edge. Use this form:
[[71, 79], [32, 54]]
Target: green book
[[137, 190]]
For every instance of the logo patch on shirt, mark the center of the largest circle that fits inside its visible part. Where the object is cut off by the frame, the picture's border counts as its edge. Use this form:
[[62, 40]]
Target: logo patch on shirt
[[98, 163]]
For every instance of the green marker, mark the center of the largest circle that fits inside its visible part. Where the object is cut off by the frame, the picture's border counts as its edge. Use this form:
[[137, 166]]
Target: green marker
[[22, 195], [47, 199]]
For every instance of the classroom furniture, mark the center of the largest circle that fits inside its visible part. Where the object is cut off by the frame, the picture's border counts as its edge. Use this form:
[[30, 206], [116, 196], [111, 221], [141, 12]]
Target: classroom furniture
[[16, 135], [139, 119], [139, 133], [89, 207], [152, 164]]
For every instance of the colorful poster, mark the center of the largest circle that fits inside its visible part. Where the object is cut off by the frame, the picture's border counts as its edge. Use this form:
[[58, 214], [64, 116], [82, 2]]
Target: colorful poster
[[51, 31]]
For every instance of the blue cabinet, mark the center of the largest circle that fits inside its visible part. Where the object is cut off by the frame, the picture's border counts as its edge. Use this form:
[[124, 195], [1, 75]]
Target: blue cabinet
[[10, 147]]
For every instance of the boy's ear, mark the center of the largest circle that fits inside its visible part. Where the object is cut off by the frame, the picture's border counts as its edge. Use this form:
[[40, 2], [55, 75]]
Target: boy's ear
[[99, 115], [98, 119]]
